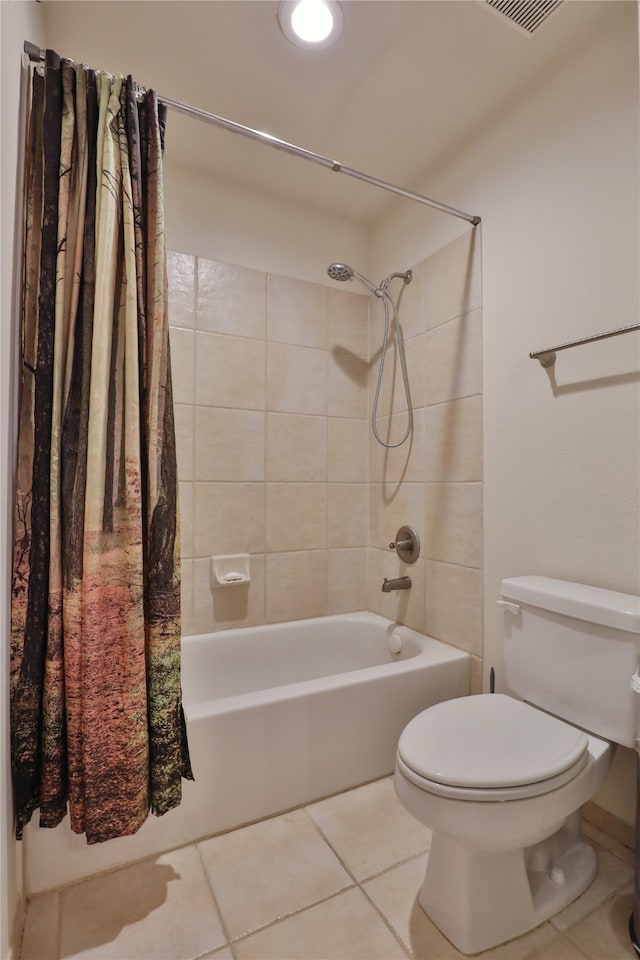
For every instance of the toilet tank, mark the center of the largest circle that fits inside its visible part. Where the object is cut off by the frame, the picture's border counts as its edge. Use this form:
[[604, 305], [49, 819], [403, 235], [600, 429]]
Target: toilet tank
[[572, 650]]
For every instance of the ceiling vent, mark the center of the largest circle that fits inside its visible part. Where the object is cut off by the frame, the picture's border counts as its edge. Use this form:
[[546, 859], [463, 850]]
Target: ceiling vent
[[528, 15]]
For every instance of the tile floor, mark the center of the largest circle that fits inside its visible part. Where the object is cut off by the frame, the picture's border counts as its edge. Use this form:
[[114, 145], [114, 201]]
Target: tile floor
[[335, 880]]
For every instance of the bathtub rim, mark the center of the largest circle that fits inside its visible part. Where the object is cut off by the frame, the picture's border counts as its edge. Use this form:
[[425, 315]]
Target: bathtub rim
[[427, 645]]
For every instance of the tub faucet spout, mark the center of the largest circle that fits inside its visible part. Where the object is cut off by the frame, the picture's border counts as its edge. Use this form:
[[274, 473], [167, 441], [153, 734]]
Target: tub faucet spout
[[401, 583]]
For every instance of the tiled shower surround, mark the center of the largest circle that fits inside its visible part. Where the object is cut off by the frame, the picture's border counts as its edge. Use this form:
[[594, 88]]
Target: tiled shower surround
[[273, 385]]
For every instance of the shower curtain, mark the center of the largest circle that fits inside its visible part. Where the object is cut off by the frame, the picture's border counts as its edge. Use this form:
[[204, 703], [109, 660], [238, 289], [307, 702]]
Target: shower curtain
[[96, 713]]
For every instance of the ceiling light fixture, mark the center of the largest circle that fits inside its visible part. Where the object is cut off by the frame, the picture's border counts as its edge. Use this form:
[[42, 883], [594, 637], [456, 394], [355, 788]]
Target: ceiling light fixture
[[310, 23]]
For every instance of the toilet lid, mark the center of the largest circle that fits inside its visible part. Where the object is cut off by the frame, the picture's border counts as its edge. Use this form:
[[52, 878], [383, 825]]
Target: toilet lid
[[489, 741]]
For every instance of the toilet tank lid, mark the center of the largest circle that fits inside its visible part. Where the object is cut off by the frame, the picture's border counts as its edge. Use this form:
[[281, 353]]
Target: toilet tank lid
[[594, 604]]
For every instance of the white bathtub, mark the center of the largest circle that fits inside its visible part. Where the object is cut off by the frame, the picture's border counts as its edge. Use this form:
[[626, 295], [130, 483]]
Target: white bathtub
[[284, 714], [277, 716]]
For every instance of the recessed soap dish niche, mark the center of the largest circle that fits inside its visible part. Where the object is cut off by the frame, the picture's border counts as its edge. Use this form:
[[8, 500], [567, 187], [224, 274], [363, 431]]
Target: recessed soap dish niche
[[231, 570]]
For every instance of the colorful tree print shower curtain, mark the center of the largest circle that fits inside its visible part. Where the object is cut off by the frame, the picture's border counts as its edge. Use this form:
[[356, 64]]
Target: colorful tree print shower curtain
[[96, 713]]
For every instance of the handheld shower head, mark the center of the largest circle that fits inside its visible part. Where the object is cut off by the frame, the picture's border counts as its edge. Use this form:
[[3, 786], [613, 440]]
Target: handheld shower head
[[340, 271]]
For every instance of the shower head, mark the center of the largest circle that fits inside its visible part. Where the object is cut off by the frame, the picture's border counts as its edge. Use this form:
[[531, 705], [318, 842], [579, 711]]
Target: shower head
[[342, 271]]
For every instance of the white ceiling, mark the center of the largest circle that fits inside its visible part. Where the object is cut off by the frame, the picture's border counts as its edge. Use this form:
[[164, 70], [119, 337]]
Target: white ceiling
[[406, 85]]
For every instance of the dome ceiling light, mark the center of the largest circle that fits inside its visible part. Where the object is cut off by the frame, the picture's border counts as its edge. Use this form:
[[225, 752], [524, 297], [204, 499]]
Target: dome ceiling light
[[310, 23]]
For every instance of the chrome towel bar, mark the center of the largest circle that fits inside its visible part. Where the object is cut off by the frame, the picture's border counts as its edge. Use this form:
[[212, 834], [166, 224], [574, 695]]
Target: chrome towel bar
[[547, 357]]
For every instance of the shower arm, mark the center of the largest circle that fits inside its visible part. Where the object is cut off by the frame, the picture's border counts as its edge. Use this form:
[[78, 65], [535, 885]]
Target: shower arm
[[37, 55]]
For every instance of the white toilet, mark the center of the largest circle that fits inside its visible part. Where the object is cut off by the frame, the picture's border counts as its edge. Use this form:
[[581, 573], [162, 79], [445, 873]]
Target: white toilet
[[500, 782]]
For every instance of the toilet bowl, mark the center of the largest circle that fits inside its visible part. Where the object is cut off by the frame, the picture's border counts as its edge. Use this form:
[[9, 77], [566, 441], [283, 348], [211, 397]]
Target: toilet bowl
[[506, 852], [500, 781]]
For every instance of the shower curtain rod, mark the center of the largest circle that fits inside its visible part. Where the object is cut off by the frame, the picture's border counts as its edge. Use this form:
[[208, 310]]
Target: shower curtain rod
[[37, 55]]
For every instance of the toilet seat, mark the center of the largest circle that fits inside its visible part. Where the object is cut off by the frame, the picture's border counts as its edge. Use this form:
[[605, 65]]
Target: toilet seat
[[491, 748]]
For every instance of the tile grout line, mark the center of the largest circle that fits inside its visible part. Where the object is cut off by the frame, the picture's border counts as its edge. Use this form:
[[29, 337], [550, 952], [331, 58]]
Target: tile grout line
[[210, 887], [358, 884]]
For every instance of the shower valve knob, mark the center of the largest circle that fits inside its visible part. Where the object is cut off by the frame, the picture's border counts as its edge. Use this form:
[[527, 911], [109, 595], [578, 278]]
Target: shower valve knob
[[406, 544]]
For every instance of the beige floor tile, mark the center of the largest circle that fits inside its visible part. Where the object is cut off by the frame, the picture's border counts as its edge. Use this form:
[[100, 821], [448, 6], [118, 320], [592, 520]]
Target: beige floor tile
[[395, 893], [369, 828], [160, 908], [597, 836], [604, 934], [535, 942], [612, 875], [270, 869], [224, 953], [41, 937], [345, 927], [557, 949]]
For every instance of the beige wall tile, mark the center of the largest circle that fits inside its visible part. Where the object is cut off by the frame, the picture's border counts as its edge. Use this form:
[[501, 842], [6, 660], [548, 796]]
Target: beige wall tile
[[453, 279], [296, 516], [296, 447], [298, 312], [400, 504], [229, 444], [406, 462], [348, 375], [349, 322], [348, 514], [375, 516], [411, 305], [230, 518], [393, 397], [231, 299], [183, 419], [348, 455], [475, 678], [403, 606], [296, 379], [453, 523], [182, 364], [347, 583], [181, 277], [375, 595], [230, 371], [454, 359], [244, 606], [296, 585], [227, 607], [453, 611], [453, 440], [185, 499]]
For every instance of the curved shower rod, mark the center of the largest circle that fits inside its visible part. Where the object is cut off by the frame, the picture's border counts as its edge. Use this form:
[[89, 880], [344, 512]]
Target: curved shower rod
[[37, 55]]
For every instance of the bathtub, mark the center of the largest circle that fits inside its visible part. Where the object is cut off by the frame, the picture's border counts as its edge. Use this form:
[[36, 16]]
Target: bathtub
[[287, 713], [277, 716]]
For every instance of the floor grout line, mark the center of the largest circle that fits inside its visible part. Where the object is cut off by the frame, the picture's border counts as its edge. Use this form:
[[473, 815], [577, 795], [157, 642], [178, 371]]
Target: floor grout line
[[352, 883], [209, 883]]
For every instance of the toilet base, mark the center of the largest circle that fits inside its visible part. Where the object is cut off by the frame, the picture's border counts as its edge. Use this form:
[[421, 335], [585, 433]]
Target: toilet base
[[480, 898]]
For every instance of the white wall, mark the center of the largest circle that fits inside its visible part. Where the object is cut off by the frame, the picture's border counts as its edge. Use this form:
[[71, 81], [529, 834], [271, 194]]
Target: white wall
[[19, 21], [555, 180], [221, 221]]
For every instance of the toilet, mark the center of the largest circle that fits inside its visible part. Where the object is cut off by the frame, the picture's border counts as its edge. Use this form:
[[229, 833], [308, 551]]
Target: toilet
[[500, 779]]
